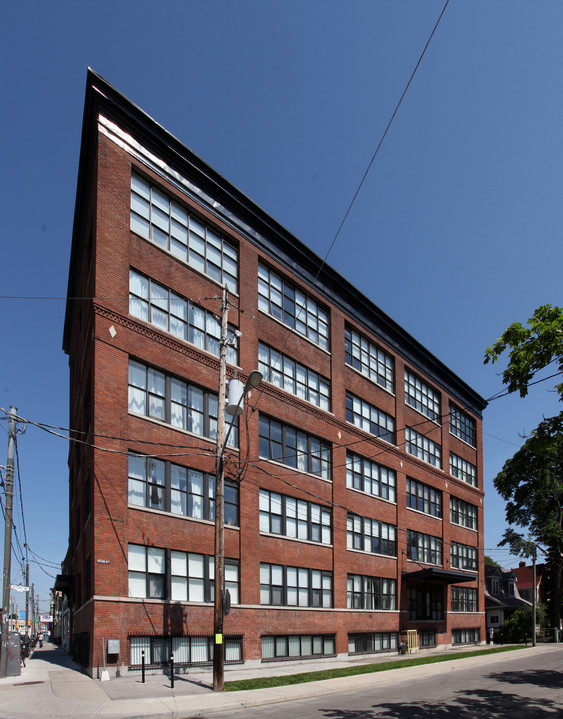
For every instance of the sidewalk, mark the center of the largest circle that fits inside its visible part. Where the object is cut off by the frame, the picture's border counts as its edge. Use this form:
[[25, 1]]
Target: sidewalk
[[53, 686]]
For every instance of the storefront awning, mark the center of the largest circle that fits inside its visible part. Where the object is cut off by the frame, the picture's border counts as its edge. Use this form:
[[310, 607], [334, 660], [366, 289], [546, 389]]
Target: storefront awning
[[437, 574]]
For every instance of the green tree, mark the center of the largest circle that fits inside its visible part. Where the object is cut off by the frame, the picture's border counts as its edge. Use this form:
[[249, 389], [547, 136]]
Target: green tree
[[531, 482], [532, 349], [519, 625], [490, 562]]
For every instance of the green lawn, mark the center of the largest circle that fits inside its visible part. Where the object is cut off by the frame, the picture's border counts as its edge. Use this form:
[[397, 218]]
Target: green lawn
[[266, 682]]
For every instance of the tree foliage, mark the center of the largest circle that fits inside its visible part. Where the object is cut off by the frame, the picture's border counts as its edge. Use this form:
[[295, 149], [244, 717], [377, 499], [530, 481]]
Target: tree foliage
[[532, 349], [518, 627], [490, 562], [531, 482]]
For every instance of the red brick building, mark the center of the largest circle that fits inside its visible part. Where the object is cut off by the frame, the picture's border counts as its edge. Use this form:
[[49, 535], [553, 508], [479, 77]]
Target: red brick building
[[354, 482]]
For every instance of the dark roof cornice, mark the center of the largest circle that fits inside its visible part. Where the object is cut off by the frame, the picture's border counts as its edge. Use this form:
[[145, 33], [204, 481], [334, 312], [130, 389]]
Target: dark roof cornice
[[261, 229]]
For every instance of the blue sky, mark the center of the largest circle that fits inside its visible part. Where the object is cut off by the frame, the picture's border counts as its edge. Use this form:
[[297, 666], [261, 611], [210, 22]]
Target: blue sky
[[455, 233]]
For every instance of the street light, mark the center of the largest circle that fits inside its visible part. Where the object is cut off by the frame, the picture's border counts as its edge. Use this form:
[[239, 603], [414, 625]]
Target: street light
[[237, 393]]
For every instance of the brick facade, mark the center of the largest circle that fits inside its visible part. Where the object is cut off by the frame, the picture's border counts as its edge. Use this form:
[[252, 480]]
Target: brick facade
[[102, 336]]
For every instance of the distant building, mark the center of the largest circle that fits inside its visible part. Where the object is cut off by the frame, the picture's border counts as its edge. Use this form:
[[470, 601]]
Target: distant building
[[354, 495], [524, 578], [502, 597]]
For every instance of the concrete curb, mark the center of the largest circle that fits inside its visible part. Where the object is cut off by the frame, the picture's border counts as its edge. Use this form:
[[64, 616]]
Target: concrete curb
[[188, 706], [55, 691]]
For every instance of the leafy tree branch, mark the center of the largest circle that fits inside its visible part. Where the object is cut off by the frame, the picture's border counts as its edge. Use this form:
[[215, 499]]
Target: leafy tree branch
[[532, 349], [531, 482]]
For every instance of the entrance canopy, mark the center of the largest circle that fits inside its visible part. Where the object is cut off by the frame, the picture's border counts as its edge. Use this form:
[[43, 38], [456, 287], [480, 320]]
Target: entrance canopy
[[447, 576]]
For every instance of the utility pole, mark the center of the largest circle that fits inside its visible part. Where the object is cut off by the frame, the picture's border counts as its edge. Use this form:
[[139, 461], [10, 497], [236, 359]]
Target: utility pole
[[235, 409], [27, 632], [8, 541], [32, 610], [534, 595], [218, 649]]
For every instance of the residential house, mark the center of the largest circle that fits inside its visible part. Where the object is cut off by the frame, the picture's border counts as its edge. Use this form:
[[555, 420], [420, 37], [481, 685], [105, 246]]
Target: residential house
[[502, 598]]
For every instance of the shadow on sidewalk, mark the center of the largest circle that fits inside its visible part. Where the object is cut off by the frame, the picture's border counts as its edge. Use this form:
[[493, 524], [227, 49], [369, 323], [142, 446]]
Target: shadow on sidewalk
[[54, 655], [156, 685]]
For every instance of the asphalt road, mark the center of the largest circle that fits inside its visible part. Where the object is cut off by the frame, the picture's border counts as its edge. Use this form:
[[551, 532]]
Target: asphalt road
[[513, 688]]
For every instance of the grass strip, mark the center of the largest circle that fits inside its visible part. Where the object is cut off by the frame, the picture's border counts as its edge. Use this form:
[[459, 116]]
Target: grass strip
[[268, 682]]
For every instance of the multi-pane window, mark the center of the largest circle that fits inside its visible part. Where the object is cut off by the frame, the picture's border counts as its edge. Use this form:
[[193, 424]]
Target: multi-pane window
[[184, 577], [295, 586], [371, 593], [466, 636], [463, 426], [463, 556], [186, 650], [464, 599], [284, 301], [147, 480], [366, 416], [427, 638], [294, 518], [294, 377], [424, 547], [181, 490], [154, 394], [463, 513], [282, 443], [168, 225], [159, 306], [369, 359], [298, 646], [372, 643], [421, 396], [147, 572], [424, 498], [370, 477], [371, 535], [193, 577], [462, 469], [420, 446], [495, 586], [195, 491], [425, 601]]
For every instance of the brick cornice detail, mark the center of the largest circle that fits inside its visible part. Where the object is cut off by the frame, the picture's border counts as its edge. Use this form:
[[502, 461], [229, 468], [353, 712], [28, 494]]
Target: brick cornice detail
[[289, 399], [267, 389], [165, 340], [190, 351]]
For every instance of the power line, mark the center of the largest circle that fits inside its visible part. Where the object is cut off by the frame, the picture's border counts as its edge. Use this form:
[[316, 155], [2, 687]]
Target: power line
[[47, 561], [505, 392], [382, 138], [199, 451], [348, 210], [20, 494], [385, 447]]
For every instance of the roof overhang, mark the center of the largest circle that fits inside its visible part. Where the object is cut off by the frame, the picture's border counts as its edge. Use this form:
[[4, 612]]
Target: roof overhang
[[232, 206], [65, 583], [437, 574]]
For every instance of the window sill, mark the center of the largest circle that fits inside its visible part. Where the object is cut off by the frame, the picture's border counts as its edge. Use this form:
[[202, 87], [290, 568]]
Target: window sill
[[164, 513], [294, 469]]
